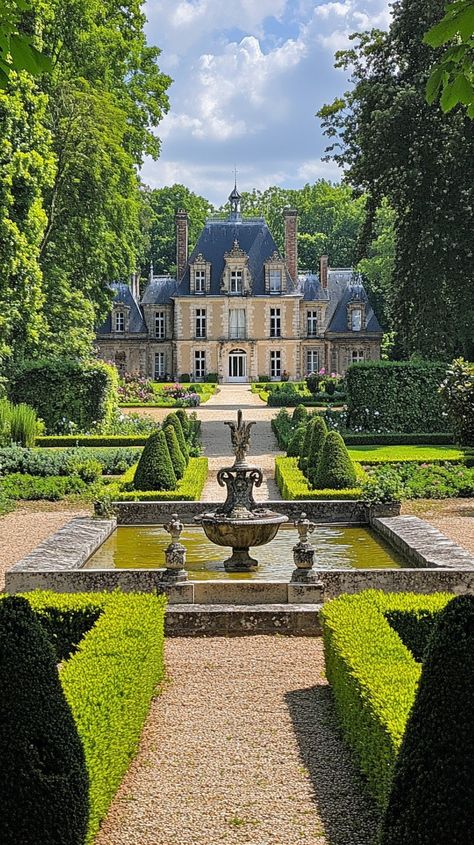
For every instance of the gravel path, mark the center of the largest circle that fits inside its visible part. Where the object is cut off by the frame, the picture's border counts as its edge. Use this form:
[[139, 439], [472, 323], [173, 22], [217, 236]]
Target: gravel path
[[241, 747], [23, 529]]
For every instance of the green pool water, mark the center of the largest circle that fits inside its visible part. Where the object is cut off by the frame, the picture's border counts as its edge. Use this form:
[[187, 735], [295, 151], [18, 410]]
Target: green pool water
[[336, 547]]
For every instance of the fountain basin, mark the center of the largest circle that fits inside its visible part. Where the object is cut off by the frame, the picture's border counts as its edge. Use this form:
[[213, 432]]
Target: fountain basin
[[240, 534]]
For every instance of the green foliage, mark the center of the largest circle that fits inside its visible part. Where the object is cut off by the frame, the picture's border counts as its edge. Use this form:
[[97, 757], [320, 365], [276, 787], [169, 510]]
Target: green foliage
[[6, 505], [177, 459], [398, 439], [425, 173], [282, 428], [373, 677], [457, 392], [318, 438], [186, 423], [43, 777], [294, 485], [65, 461], [63, 391], [188, 489], [452, 78], [306, 447], [396, 396], [299, 415], [91, 440], [173, 419], [377, 266], [432, 795], [295, 445], [398, 454], [17, 50], [162, 205], [109, 681], [335, 469], [413, 481], [33, 488], [23, 425], [155, 470]]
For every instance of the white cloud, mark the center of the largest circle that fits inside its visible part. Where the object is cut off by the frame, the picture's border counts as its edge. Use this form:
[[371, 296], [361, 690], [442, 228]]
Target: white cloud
[[315, 168]]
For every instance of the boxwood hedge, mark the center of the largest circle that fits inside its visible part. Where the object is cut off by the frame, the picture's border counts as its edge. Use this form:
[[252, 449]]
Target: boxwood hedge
[[294, 485], [373, 673], [188, 488], [110, 678]]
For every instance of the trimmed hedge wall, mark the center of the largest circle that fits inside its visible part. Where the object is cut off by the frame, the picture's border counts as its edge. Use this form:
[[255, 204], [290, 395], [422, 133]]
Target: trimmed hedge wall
[[373, 675], [64, 391], [110, 679], [294, 485], [396, 396], [73, 440]]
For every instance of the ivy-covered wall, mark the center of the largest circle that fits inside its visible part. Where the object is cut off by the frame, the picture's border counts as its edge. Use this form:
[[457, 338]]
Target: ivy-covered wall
[[401, 396], [64, 392]]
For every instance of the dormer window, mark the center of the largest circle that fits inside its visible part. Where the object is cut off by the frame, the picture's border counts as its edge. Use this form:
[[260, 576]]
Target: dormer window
[[356, 319], [199, 281], [275, 281], [235, 281], [119, 321], [200, 275]]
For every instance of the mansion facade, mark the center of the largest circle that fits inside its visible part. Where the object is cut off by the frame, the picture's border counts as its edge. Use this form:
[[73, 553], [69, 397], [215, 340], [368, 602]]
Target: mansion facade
[[238, 309]]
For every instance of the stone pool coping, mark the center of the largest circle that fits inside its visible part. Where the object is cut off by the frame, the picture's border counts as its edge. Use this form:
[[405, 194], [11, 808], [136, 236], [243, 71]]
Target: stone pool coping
[[56, 564]]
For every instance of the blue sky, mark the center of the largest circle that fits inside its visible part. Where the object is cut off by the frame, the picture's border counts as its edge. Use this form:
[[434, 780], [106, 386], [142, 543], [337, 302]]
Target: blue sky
[[249, 76]]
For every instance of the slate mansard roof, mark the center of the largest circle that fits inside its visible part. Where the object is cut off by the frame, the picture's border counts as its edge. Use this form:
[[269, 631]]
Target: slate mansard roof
[[218, 237], [255, 239]]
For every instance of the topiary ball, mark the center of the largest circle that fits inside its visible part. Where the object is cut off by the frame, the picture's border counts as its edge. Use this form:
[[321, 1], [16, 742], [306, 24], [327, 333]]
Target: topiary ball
[[155, 470], [43, 777], [335, 470], [432, 796], [177, 459]]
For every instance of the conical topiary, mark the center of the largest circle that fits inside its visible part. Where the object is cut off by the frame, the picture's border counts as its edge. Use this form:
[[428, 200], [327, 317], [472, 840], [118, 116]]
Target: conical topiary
[[177, 460], [318, 439], [335, 469], [300, 415], [43, 776], [432, 797], [172, 419], [155, 470], [296, 443], [184, 420], [304, 454]]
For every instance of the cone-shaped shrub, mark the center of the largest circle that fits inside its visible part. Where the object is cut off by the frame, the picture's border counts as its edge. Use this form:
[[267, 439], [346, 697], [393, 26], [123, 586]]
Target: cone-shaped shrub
[[184, 420], [318, 439], [304, 454], [300, 415], [432, 797], [177, 460], [172, 419], [155, 470], [335, 469], [43, 776], [296, 443]]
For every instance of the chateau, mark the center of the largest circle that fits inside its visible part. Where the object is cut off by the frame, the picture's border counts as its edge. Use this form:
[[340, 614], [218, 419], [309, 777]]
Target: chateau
[[239, 310]]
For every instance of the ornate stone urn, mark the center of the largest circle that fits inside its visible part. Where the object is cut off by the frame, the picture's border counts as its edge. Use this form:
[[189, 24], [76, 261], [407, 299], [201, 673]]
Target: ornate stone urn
[[239, 522]]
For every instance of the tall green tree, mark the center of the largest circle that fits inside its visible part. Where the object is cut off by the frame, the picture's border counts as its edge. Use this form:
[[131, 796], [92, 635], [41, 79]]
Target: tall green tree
[[395, 145], [17, 49], [160, 206], [452, 77], [377, 267]]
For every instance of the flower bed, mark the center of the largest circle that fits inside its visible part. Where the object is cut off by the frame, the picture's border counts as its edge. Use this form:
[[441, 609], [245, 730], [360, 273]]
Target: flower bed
[[177, 395], [109, 676], [373, 673]]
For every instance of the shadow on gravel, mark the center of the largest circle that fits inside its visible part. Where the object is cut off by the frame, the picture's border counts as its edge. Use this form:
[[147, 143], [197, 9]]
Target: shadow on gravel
[[348, 813]]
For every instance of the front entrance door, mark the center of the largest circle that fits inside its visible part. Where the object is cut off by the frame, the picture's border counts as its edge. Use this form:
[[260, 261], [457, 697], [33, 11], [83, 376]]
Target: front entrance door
[[238, 366]]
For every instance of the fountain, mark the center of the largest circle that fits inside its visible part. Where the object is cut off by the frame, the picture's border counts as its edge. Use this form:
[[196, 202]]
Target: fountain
[[239, 522]]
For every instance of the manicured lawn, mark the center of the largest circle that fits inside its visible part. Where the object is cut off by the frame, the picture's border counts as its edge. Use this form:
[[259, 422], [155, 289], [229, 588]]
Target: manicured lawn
[[396, 454]]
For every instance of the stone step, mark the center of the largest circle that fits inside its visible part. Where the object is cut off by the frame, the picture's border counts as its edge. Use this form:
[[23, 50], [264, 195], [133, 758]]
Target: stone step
[[219, 620]]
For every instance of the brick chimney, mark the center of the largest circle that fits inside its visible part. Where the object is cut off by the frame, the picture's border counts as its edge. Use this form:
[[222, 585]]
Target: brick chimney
[[291, 241], [323, 271], [181, 243]]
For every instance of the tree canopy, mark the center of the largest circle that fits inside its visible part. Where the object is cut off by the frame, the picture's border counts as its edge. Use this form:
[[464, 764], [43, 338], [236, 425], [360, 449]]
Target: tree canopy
[[452, 77]]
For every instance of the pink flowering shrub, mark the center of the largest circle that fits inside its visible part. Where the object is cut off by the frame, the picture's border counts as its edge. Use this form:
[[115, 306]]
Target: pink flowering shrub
[[135, 388]]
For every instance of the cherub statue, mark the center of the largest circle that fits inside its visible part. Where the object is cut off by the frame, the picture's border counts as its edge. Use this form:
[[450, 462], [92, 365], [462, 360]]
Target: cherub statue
[[240, 437]]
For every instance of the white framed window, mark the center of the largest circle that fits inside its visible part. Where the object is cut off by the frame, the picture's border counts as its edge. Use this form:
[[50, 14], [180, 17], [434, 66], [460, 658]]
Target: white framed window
[[275, 322], [275, 364], [200, 281], [237, 324], [119, 321], [356, 319], [199, 363], [274, 281], [312, 361], [200, 322], [357, 356], [160, 324], [312, 323], [159, 365], [236, 281]]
